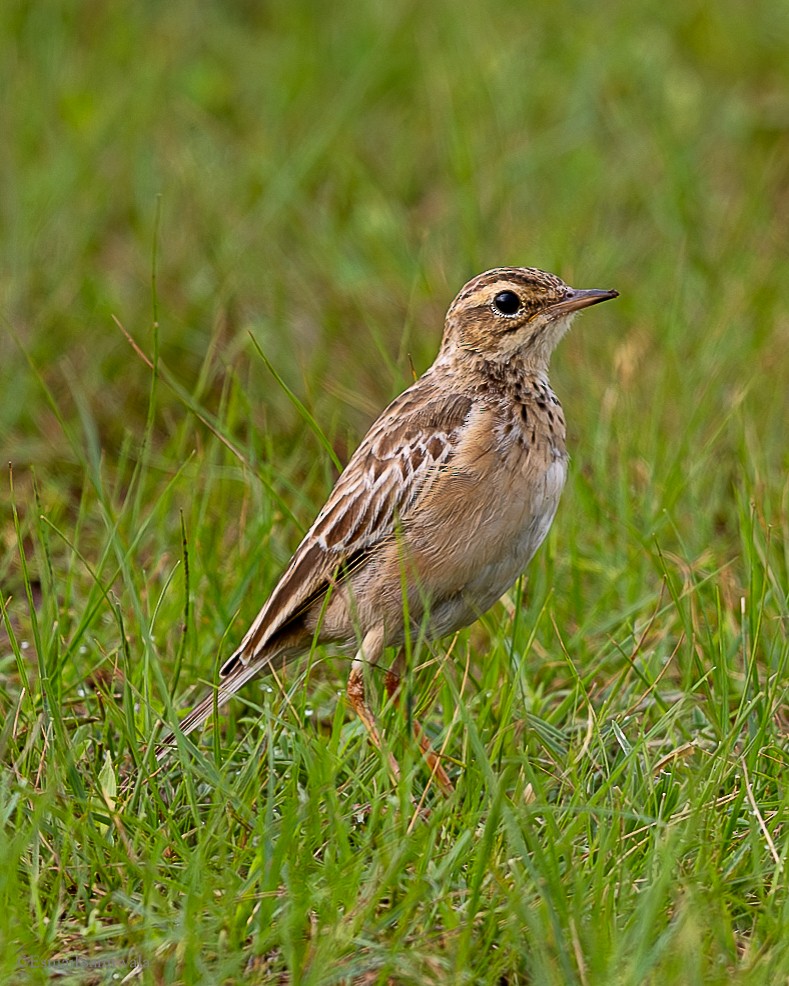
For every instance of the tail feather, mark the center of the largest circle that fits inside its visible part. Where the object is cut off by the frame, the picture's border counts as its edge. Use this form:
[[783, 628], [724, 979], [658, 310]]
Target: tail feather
[[238, 677]]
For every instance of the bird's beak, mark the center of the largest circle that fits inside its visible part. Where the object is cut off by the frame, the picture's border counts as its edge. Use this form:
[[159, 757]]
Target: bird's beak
[[575, 299]]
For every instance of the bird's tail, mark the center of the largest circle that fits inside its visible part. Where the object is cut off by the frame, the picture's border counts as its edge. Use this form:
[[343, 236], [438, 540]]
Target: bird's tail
[[238, 674]]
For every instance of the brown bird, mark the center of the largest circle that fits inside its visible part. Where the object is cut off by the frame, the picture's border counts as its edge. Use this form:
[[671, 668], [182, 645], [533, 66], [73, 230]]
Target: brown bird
[[443, 504]]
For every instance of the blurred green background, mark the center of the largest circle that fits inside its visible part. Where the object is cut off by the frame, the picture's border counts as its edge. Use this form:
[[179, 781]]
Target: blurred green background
[[310, 185]]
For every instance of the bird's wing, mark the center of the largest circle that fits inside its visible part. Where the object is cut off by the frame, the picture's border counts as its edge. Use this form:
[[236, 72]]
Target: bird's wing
[[399, 457]]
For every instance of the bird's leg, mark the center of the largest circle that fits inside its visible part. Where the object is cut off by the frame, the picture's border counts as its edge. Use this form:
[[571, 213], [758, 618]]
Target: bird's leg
[[357, 693], [392, 682]]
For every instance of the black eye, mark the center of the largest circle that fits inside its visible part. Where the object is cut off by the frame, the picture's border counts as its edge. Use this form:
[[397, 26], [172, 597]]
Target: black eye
[[507, 303]]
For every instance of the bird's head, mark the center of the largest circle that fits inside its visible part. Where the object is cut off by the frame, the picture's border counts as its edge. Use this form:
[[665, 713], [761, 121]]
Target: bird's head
[[515, 310]]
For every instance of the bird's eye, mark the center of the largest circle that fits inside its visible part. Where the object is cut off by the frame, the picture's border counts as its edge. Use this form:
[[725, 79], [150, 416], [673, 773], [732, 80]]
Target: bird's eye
[[507, 303]]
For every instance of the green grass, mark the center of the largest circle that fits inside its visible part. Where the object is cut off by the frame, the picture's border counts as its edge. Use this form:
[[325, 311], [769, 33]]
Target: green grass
[[271, 190]]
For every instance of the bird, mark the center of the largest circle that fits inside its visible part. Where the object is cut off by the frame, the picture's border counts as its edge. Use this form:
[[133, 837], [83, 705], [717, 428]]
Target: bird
[[440, 508]]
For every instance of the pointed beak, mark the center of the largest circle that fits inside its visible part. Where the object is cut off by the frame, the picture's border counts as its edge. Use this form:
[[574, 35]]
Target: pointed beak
[[575, 299]]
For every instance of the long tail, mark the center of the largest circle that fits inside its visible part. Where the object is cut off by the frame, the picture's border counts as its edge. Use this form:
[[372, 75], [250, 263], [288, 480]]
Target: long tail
[[230, 684]]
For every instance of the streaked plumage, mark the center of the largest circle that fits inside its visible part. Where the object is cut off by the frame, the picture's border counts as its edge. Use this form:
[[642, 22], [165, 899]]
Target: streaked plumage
[[454, 486]]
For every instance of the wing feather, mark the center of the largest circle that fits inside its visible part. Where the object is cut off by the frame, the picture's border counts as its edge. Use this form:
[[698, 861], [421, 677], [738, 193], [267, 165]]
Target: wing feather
[[399, 457]]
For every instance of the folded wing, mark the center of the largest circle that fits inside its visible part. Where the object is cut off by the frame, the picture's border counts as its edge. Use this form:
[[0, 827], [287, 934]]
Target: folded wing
[[401, 455]]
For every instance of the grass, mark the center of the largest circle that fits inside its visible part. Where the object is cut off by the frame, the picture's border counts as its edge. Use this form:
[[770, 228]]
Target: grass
[[204, 200]]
